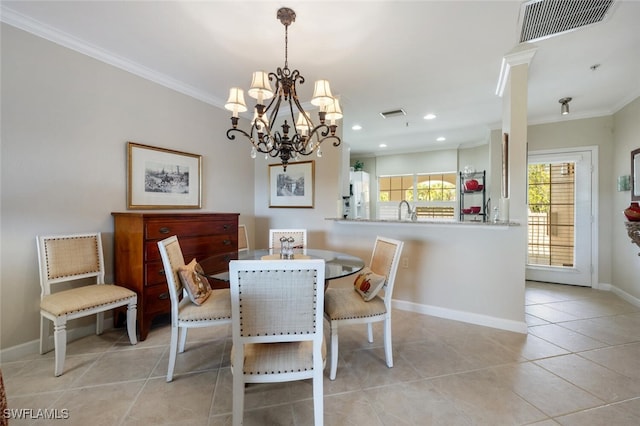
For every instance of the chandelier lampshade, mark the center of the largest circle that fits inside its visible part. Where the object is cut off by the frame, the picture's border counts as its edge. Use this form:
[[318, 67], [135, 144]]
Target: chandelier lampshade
[[301, 136], [260, 87], [236, 103]]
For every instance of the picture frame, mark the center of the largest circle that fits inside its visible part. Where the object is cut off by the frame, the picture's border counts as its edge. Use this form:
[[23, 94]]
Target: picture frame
[[160, 178], [293, 188], [635, 175]]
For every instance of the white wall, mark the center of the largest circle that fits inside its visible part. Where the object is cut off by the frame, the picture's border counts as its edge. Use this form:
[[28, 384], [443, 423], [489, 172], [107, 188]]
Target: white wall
[[66, 119]]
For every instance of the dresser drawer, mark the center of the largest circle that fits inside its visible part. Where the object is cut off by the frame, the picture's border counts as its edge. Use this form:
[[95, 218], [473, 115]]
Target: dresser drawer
[[198, 247], [154, 274], [156, 299], [158, 229]]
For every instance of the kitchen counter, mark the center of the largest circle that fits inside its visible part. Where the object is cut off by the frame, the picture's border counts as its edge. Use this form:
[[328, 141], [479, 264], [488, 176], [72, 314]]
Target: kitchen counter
[[424, 222]]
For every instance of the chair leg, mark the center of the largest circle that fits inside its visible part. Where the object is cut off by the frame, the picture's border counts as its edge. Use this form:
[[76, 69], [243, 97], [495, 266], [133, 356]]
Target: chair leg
[[370, 332], [388, 349], [99, 323], [238, 397], [60, 342], [183, 339], [318, 396], [44, 335], [132, 312], [334, 350], [173, 352]]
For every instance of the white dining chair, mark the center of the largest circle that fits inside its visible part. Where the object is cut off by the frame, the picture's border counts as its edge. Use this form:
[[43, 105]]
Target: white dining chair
[[362, 303], [72, 258], [215, 310], [277, 326]]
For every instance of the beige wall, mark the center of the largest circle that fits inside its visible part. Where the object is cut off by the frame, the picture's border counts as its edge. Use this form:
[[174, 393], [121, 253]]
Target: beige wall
[[66, 119], [625, 263]]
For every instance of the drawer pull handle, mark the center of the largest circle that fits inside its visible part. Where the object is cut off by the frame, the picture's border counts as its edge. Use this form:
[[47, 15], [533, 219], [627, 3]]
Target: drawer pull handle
[[164, 230], [163, 296], [225, 227], [226, 242], [161, 272]]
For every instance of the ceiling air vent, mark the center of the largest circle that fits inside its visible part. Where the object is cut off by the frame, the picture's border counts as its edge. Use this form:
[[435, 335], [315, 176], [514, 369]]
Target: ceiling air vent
[[546, 18], [394, 113]]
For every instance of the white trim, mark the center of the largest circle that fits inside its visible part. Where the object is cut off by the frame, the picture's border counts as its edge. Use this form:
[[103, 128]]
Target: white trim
[[623, 294], [521, 54], [16, 19], [468, 317]]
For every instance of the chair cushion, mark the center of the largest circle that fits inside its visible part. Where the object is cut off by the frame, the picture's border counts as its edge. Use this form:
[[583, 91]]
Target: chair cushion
[[217, 306], [368, 283], [83, 298], [193, 279], [344, 303], [278, 358]]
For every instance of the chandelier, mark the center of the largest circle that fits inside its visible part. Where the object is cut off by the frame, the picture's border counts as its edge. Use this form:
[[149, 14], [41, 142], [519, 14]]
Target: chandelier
[[305, 136]]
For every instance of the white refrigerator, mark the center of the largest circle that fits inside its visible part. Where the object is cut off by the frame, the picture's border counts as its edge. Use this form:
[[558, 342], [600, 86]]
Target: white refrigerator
[[359, 184]]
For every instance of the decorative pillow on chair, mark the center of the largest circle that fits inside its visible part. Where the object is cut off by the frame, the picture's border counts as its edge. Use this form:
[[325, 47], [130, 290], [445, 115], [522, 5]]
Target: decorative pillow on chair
[[193, 279], [368, 283]]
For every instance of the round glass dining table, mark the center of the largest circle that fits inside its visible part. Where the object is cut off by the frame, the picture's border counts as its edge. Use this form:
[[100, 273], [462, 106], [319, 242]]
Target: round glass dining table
[[337, 264]]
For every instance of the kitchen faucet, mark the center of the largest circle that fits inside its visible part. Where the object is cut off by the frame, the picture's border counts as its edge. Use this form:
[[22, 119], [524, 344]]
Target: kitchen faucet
[[412, 213]]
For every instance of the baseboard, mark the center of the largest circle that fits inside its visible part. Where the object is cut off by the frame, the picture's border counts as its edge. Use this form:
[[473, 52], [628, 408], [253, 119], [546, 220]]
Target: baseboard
[[468, 317], [19, 352], [624, 295]]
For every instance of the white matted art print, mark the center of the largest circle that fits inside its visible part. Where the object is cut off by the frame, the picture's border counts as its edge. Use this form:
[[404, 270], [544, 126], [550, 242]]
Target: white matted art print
[[293, 188], [160, 178]]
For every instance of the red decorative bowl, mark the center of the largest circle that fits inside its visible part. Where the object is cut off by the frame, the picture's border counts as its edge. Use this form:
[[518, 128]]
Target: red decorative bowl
[[471, 185], [476, 209], [632, 214], [466, 211], [480, 187]]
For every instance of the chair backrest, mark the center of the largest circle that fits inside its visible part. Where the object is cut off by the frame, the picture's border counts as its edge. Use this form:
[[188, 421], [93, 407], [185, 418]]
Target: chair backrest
[[277, 300], [299, 237], [384, 261], [243, 238], [65, 258], [172, 260]]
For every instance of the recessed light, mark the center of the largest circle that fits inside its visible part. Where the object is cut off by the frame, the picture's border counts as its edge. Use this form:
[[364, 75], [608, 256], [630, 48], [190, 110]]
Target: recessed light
[[383, 145], [429, 116], [356, 127], [441, 139]]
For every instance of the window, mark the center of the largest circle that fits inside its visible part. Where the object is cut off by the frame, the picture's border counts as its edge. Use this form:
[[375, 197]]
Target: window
[[433, 195]]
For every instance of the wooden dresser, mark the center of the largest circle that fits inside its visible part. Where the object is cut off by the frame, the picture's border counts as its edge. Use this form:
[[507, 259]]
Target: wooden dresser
[[137, 259]]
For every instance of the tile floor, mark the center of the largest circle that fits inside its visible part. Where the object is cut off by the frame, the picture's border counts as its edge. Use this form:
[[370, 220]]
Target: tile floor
[[579, 365]]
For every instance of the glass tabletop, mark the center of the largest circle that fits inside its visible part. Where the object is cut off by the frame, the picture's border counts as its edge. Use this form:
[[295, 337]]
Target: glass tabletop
[[337, 264]]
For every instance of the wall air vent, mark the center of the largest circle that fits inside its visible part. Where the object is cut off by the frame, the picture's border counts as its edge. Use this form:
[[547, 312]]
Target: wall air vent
[[394, 113], [541, 19]]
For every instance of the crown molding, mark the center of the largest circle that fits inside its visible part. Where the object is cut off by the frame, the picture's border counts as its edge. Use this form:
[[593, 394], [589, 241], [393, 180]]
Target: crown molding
[[519, 55], [37, 28]]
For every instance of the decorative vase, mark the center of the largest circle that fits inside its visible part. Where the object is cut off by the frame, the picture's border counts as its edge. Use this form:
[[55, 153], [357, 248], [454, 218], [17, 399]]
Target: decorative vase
[[632, 212]]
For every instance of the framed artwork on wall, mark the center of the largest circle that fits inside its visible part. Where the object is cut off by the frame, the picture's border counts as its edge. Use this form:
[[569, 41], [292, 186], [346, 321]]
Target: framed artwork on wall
[[159, 178], [635, 175], [293, 188]]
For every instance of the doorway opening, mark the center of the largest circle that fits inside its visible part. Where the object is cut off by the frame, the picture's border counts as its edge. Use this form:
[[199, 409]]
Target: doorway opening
[[560, 246]]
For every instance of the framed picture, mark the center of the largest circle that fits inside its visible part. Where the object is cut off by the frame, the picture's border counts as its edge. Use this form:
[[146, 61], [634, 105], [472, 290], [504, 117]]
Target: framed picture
[[293, 188], [159, 178], [635, 175]]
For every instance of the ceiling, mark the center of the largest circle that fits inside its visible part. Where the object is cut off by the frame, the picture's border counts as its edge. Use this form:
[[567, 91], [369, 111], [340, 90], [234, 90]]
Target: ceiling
[[440, 57]]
